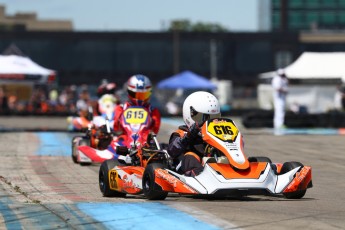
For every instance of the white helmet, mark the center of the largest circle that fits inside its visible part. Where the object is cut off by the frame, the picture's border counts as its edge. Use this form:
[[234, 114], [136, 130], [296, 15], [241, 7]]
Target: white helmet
[[199, 107]]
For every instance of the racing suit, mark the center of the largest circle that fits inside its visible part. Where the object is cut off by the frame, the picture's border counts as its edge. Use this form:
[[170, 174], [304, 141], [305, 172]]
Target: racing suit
[[187, 150], [119, 130], [154, 113]]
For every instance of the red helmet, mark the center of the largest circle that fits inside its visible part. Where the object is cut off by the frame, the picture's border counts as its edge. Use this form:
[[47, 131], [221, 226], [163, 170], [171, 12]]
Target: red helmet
[[139, 89]]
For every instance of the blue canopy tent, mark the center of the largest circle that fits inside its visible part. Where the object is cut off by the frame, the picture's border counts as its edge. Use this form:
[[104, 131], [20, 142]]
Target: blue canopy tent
[[186, 80]]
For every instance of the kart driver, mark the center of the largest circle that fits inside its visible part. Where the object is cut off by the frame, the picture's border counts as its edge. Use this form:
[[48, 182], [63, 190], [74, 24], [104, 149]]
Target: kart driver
[[184, 144], [139, 89]]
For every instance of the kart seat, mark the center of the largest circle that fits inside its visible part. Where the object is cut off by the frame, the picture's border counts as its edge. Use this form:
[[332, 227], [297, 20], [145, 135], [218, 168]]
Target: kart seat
[[220, 160], [207, 160], [223, 160]]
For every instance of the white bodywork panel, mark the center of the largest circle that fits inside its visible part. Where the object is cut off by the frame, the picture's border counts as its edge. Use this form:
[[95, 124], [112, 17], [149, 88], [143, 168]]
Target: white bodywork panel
[[209, 181]]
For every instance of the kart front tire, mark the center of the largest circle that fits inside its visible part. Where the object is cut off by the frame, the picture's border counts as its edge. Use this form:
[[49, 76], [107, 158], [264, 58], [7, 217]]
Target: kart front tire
[[288, 166], [103, 179], [74, 148], [84, 142], [151, 190]]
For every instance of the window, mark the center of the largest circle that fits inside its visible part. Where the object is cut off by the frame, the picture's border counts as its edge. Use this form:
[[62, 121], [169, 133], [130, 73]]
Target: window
[[293, 4], [312, 4], [341, 17], [329, 3], [276, 20], [328, 18], [296, 20], [341, 3], [276, 3]]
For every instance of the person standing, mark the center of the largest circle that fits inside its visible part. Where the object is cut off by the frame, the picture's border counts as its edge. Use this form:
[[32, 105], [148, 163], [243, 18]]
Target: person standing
[[3, 101], [280, 90]]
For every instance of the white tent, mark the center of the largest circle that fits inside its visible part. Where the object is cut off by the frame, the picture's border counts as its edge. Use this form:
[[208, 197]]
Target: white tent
[[13, 67], [19, 75], [315, 65], [314, 69]]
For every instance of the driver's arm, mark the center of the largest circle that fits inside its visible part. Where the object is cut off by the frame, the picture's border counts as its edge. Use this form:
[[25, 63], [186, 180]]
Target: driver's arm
[[117, 124], [156, 120], [177, 144]]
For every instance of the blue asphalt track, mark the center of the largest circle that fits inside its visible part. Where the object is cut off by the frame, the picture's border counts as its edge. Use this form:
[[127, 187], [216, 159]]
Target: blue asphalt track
[[150, 216], [121, 215], [139, 215]]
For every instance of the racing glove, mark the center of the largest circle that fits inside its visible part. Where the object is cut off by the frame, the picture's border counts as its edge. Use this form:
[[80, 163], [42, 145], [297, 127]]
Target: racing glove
[[194, 131], [127, 159], [192, 135]]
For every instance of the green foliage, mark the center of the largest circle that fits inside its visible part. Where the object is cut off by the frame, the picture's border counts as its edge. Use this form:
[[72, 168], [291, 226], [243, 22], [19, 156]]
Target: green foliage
[[186, 26]]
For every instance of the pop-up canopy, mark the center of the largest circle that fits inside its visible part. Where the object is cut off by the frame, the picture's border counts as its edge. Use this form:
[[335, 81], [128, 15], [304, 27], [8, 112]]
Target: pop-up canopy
[[13, 67], [186, 80], [315, 65], [313, 77]]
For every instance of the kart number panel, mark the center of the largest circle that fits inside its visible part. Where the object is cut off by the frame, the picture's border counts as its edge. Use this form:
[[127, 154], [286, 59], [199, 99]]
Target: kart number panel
[[223, 129], [135, 116]]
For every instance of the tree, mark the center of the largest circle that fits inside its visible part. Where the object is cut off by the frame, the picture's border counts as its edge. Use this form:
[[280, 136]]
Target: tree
[[187, 26], [180, 25]]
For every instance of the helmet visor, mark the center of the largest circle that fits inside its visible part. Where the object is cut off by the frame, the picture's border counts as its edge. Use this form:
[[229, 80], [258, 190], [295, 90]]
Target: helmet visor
[[200, 118], [143, 96]]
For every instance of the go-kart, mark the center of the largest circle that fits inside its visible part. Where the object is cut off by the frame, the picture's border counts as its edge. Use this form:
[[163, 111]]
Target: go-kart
[[227, 171], [97, 137], [98, 129], [135, 121]]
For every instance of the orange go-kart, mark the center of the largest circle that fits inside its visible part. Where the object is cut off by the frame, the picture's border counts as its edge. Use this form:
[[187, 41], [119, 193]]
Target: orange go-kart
[[227, 171]]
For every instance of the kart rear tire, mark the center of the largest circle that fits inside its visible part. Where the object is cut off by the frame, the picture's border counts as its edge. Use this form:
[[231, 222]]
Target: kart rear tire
[[259, 159], [288, 166], [103, 179], [84, 142], [151, 190]]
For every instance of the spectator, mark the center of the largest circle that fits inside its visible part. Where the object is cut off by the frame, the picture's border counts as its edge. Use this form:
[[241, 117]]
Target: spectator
[[3, 100], [339, 98], [280, 90]]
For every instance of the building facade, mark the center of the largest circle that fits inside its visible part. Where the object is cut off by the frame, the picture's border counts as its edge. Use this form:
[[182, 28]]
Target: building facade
[[297, 15], [30, 22]]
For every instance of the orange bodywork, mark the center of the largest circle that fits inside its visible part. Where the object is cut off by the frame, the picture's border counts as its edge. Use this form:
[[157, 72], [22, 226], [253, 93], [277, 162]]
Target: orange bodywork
[[279, 167], [228, 172], [80, 123], [208, 139], [172, 184], [301, 180], [126, 184]]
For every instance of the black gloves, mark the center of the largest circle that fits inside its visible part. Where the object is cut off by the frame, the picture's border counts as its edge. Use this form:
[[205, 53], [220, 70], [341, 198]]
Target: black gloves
[[191, 135], [194, 131]]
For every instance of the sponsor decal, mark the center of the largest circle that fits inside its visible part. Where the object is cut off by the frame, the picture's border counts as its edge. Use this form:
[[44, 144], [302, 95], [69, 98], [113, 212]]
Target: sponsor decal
[[161, 173], [129, 182], [216, 121], [301, 175], [112, 179]]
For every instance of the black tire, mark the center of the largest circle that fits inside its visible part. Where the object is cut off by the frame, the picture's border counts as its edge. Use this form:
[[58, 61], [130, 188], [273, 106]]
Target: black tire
[[288, 166], [151, 190], [84, 142], [74, 149], [103, 179], [259, 159]]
